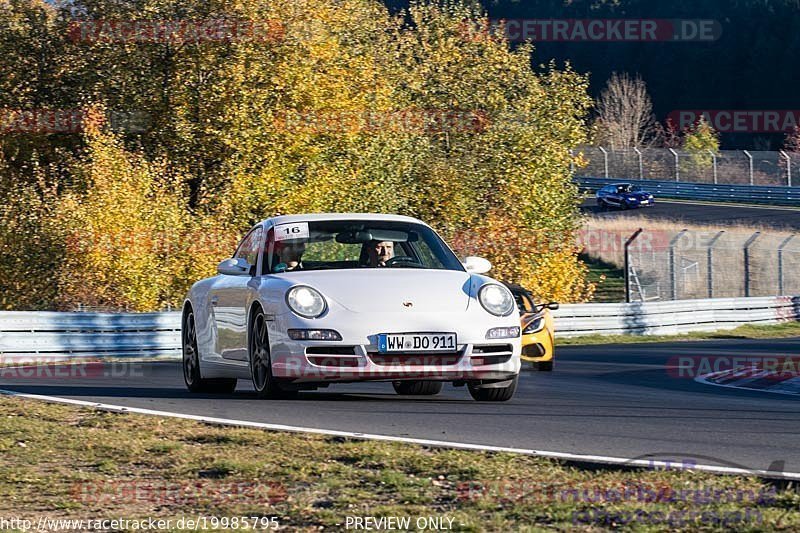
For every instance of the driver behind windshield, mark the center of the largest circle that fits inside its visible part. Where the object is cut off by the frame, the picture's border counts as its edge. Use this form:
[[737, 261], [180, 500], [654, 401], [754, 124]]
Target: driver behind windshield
[[379, 252], [290, 254]]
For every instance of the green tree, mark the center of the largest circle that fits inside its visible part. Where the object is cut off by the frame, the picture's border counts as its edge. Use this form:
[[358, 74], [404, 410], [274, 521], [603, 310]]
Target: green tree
[[699, 140]]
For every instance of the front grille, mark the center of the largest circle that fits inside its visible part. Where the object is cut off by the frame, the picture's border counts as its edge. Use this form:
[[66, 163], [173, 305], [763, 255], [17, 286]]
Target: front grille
[[491, 354], [415, 359], [492, 349]]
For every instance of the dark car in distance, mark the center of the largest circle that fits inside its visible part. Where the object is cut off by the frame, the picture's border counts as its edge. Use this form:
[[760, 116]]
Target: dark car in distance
[[623, 196]]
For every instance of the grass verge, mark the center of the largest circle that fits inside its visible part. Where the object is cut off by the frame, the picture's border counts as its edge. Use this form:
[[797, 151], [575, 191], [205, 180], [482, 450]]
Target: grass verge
[[609, 280], [67, 462], [772, 331]]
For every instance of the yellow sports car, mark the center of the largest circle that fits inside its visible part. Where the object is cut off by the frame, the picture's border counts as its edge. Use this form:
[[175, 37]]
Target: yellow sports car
[[538, 344]]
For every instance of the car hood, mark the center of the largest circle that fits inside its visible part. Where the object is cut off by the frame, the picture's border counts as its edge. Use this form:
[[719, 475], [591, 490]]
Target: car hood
[[390, 289]]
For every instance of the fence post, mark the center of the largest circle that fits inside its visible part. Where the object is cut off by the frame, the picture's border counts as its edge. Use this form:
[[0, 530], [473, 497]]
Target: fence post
[[677, 164], [746, 249], [673, 275], [714, 164], [641, 165], [709, 259], [781, 246], [628, 243], [750, 159], [788, 168], [605, 161]]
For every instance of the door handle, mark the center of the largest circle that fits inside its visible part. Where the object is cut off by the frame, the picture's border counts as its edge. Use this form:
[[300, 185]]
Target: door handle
[[214, 300]]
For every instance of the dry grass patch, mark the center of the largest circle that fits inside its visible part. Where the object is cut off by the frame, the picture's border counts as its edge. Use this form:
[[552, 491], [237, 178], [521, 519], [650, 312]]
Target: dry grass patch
[[63, 461]]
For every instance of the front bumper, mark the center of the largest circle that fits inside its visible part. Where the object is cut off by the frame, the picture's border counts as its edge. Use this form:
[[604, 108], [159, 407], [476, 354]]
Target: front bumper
[[537, 347], [641, 203], [467, 364], [356, 358]]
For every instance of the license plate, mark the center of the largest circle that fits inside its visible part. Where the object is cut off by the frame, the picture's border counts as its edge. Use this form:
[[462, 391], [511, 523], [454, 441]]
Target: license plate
[[416, 342], [645, 201]]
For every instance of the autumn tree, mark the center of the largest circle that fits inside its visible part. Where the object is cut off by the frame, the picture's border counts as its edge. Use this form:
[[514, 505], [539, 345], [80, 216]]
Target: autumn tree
[[336, 105], [625, 116]]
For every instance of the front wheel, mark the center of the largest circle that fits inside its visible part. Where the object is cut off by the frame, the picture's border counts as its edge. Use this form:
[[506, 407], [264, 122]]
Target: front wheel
[[501, 394], [191, 363], [261, 363], [417, 388]]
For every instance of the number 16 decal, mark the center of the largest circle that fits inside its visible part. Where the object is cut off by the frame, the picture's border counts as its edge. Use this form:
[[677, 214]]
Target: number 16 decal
[[295, 230]]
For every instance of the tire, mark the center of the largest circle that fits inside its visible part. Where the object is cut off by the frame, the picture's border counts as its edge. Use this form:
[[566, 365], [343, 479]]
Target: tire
[[191, 363], [601, 205], [494, 395], [265, 384], [417, 388], [545, 366]]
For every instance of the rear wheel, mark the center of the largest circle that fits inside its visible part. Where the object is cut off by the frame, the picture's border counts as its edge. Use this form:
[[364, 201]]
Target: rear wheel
[[260, 362], [417, 388], [191, 363], [500, 394]]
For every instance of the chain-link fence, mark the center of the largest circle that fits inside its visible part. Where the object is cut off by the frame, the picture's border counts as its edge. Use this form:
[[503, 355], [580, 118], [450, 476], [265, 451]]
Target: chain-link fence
[[678, 265], [741, 167]]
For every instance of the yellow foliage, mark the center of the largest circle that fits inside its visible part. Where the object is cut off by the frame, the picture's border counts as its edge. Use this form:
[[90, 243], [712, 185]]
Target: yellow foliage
[[343, 110], [130, 242], [544, 261]]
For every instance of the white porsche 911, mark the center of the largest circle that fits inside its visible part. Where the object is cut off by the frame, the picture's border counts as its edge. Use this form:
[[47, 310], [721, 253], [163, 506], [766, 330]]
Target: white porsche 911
[[309, 300]]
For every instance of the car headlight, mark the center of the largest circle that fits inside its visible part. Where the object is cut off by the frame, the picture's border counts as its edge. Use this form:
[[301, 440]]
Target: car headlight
[[496, 299], [535, 325], [305, 301]]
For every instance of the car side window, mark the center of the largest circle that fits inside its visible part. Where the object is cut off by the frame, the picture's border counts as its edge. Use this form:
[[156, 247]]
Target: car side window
[[248, 249]]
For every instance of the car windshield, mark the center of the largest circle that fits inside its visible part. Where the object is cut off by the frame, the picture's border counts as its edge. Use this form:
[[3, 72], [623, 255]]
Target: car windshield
[[351, 244], [629, 188], [523, 299]]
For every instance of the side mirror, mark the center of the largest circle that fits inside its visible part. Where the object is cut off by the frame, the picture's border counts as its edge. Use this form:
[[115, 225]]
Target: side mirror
[[477, 265], [234, 267], [551, 305]]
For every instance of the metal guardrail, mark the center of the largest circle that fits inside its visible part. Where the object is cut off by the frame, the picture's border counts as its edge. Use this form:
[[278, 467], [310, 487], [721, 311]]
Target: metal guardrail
[[760, 194], [673, 317], [38, 335], [45, 335]]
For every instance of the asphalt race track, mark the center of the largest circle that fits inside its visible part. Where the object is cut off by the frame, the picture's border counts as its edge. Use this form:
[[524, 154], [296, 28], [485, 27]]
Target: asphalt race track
[[614, 400], [707, 213]]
